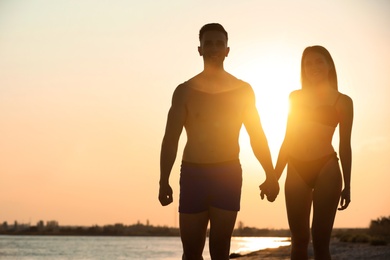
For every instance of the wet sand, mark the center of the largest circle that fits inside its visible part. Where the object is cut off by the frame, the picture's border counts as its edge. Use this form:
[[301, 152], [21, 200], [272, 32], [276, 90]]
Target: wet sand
[[339, 251]]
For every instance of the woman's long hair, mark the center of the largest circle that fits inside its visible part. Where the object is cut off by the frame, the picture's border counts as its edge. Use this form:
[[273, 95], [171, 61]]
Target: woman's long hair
[[332, 72]]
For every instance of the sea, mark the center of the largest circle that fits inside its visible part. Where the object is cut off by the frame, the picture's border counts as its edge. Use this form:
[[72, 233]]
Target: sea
[[115, 248]]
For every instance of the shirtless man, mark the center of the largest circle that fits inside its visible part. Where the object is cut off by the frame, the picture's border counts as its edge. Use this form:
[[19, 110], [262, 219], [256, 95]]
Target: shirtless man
[[212, 107]]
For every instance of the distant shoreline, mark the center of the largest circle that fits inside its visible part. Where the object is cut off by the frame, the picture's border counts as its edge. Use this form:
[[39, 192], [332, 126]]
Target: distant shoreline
[[53, 228], [140, 230]]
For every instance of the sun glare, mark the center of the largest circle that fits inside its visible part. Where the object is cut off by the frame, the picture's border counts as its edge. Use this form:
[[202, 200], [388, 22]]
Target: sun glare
[[251, 244], [272, 79]]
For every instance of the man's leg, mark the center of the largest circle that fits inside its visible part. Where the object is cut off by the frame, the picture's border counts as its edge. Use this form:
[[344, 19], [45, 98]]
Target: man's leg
[[193, 229], [221, 229]]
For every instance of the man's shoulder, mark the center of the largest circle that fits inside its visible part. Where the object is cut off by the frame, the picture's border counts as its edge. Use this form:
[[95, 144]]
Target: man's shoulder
[[199, 82], [245, 87], [234, 83], [238, 81], [190, 83], [182, 88]]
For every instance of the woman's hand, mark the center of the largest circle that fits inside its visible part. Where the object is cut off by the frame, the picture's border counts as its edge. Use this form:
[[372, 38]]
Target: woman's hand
[[345, 199], [270, 188]]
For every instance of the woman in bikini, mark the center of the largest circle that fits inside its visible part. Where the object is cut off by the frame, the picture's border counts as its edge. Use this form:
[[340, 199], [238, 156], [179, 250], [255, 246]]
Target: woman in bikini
[[313, 173]]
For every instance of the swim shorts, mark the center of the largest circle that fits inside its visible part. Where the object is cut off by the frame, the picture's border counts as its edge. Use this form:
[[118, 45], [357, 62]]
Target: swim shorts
[[210, 185]]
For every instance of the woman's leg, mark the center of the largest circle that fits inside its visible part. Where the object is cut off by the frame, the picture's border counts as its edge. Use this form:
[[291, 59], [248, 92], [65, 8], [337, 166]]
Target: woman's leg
[[325, 200], [298, 204]]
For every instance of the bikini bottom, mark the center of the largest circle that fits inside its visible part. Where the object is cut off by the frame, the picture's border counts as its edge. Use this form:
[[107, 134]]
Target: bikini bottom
[[310, 170]]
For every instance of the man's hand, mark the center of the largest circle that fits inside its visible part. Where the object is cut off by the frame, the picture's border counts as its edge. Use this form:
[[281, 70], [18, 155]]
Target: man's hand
[[165, 194], [270, 188]]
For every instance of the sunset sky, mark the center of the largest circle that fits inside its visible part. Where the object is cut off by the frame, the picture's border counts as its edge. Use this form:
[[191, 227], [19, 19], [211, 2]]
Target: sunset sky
[[85, 87]]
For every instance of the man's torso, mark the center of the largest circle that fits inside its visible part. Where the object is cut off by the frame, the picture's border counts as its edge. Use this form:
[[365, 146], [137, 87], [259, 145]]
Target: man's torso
[[213, 123]]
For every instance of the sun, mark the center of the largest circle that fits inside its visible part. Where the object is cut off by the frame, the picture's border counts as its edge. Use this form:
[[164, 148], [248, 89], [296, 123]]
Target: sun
[[272, 78]]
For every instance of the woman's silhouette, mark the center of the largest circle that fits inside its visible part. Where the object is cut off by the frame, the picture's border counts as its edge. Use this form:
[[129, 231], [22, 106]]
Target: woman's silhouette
[[313, 173]]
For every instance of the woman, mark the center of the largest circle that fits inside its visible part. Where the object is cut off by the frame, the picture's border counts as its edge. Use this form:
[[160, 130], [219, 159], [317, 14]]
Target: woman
[[313, 172]]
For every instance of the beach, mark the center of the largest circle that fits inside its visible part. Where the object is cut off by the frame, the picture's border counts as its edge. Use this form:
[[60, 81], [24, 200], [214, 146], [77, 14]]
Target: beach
[[339, 251]]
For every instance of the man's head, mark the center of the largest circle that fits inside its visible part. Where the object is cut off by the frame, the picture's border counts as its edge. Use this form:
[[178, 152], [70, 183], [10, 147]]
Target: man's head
[[212, 27], [213, 44]]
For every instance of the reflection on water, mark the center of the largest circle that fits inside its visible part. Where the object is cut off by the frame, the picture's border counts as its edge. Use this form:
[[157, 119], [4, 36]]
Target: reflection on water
[[244, 245], [116, 248]]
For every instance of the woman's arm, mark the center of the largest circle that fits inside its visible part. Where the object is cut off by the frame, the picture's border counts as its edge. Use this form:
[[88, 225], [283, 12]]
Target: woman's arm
[[283, 152], [345, 150]]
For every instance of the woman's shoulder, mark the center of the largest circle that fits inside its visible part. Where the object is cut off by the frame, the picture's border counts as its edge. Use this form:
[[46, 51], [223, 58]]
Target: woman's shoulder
[[296, 94], [344, 102], [345, 97], [342, 99]]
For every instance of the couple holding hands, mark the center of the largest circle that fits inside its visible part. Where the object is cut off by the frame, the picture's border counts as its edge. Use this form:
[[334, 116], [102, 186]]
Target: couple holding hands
[[212, 107]]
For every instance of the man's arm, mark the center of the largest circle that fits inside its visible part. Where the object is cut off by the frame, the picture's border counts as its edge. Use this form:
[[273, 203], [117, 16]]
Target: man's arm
[[174, 127], [260, 147]]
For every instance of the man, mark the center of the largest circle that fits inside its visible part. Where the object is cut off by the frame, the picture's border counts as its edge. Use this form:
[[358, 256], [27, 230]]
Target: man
[[212, 107]]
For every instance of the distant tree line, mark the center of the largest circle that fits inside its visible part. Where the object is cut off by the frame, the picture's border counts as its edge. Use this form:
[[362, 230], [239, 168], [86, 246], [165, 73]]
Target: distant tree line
[[379, 228], [378, 233], [53, 228]]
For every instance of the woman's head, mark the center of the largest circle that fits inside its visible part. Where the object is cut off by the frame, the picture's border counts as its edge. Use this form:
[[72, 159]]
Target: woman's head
[[317, 66]]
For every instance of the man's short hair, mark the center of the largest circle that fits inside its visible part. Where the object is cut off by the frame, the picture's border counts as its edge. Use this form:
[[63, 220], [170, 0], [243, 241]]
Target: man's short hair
[[212, 27]]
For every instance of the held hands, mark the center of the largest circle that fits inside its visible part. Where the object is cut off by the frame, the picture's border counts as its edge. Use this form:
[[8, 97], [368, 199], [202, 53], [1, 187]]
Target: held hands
[[345, 199], [270, 188], [165, 194]]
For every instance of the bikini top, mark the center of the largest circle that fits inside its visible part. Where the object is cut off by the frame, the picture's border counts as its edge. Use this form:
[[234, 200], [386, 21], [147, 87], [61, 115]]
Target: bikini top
[[325, 114]]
